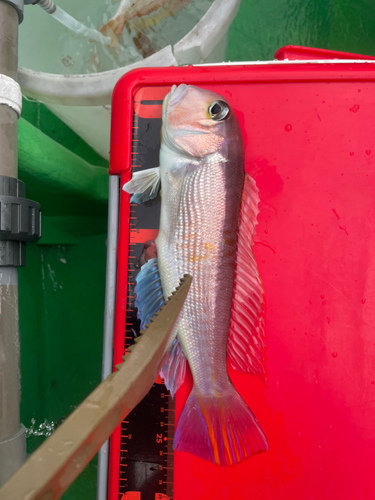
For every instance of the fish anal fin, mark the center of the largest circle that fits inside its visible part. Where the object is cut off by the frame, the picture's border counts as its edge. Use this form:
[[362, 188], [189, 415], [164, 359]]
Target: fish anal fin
[[245, 341], [174, 368]]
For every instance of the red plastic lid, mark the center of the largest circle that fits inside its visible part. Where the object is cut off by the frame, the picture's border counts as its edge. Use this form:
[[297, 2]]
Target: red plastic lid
[[310, 146]]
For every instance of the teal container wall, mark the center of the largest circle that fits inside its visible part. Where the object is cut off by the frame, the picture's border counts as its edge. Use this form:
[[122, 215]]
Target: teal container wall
[[261, 27], [62, 286], [61, 289]]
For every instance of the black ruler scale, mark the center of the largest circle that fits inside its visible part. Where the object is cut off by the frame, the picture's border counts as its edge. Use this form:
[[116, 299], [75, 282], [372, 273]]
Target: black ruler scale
[[146, 451]]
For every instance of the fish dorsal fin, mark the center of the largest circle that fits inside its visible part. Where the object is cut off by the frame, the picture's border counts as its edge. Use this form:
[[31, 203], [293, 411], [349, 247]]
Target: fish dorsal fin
[[245, 342], [144, 185], [174, 368], [149, 292]]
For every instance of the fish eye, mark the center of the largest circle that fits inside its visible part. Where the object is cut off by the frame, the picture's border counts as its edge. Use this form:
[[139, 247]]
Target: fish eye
[[218, 110]]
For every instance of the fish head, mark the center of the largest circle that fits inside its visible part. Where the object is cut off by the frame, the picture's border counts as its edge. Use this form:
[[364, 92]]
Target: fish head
[[197, 122]]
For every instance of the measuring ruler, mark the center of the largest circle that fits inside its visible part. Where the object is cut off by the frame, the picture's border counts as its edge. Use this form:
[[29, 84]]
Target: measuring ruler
[[144, 446]]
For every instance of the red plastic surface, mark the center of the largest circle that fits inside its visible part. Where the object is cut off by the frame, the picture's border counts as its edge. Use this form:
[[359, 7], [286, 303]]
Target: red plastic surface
[[310, 146], [297, 52]]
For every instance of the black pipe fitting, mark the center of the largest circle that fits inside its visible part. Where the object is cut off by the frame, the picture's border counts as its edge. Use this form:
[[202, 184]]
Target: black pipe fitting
[[20, 221]]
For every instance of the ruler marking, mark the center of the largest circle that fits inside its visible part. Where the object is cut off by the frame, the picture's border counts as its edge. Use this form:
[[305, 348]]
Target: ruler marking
[[158, 397]]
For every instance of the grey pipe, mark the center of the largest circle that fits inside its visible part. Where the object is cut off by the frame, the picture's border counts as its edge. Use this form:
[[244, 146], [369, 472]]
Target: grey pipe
[[12, 433], [109, 317], [8, 67]]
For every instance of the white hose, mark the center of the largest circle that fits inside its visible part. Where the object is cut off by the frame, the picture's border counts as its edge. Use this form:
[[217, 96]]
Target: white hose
[[71, 23]]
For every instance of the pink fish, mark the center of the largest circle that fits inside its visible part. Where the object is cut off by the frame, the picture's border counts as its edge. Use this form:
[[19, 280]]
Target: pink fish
[[209, 207], [130, 9]]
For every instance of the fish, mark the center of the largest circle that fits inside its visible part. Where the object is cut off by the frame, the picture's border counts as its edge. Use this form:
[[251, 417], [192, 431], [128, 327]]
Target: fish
[[209, 208], [131, 9]]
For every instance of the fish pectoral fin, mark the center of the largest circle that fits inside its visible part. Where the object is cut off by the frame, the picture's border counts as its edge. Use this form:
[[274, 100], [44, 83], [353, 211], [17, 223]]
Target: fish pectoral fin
[[144, 185]]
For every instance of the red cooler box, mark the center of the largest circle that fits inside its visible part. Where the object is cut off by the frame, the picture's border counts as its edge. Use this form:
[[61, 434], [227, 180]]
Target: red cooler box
[[308, 131]]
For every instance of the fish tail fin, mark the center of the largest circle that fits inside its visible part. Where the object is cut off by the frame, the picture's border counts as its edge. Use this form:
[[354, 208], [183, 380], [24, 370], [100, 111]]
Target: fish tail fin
[[221, 429], [115, 25]]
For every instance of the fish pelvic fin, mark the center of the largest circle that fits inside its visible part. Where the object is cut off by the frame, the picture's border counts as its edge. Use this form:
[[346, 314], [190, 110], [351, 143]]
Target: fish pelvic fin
[[149, 292], [149, 299], [144, 185], [174, 368], [246, 334], [222, 429]]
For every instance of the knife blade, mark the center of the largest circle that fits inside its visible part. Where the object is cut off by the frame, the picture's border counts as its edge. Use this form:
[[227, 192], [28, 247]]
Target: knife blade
[[62, 457]]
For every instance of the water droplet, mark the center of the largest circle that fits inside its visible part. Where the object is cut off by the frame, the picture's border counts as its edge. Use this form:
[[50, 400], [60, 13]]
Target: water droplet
[[266, 231], [373, 382], [368, 151], [351, 153], [322, 296], [44, 429], [288, 127], [354, 109], [263, 261], [359, 90], [334, 354], [328, 320], [363, 301]]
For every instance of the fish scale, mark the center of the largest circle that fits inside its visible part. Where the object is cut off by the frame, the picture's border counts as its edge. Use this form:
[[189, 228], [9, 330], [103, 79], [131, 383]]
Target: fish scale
[[212, 271]]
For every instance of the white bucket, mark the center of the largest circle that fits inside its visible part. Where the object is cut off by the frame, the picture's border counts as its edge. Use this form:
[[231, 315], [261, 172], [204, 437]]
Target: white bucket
[[83, 101]]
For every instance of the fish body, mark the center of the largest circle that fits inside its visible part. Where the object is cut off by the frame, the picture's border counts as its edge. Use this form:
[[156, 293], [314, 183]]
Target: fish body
[[198, 230], [202, 179], [130, 9]]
